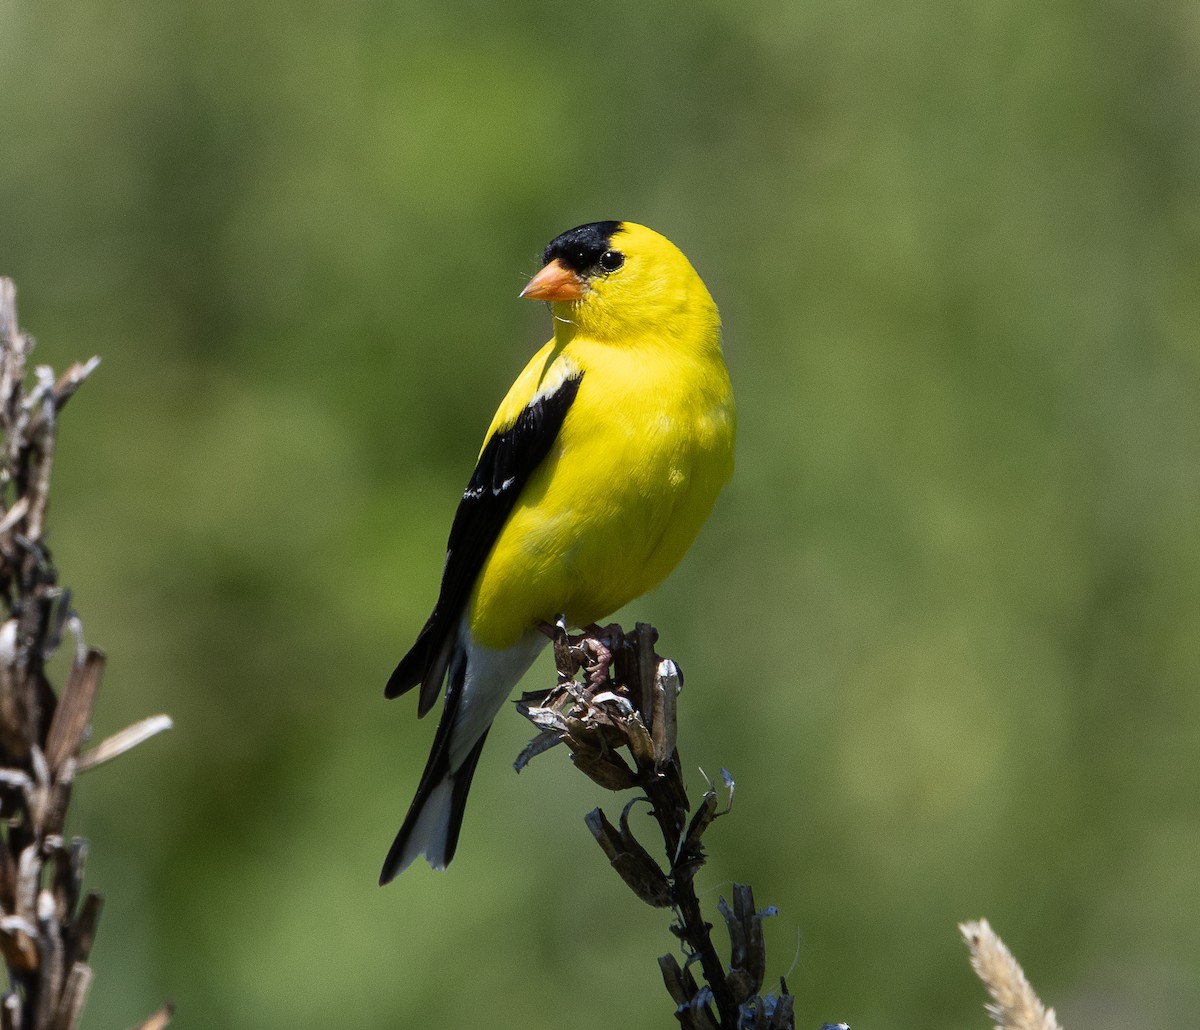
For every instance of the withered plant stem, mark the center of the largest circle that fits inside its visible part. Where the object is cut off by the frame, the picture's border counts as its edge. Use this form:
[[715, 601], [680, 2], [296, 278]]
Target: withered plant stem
[[624, 703], [47, 922]]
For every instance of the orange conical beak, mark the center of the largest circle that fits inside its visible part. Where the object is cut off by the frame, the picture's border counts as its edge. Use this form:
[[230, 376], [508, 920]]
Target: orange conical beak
[[554, 282]]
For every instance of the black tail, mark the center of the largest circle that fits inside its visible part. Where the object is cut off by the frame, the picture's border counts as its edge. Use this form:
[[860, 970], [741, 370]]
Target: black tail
[[425, 663], [435, 816]]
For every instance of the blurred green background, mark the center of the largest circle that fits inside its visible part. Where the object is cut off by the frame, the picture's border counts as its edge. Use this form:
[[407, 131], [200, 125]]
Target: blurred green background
[[944, 626]]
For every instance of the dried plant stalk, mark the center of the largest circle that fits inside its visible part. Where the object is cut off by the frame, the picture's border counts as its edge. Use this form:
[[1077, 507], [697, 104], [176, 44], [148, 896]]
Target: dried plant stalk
[[1014, 1005], [47, 923], [618, 721]]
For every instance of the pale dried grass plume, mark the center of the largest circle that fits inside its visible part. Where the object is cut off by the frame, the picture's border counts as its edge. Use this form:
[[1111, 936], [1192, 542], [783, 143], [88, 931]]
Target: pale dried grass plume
[[1014, 1005]]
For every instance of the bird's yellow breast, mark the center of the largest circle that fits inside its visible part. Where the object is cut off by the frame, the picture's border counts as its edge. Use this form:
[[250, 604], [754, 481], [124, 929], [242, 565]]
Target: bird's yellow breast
[[641, 456]]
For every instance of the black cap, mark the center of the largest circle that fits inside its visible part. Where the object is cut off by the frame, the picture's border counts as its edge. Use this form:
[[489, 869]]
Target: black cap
[[580, 248]]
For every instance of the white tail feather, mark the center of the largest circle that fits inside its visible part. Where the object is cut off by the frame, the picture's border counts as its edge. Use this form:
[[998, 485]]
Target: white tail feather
[[490, 677], [431, 832]]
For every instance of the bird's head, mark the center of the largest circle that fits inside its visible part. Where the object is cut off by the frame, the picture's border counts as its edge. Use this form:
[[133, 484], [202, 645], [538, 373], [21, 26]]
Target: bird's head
[[621, 282]]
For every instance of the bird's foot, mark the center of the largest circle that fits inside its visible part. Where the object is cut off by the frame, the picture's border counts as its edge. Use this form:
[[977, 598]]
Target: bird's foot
[[599, 641], [591, 651]]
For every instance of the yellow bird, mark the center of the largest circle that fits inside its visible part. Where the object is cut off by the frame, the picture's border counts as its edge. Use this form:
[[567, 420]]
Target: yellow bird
[[596, 474]]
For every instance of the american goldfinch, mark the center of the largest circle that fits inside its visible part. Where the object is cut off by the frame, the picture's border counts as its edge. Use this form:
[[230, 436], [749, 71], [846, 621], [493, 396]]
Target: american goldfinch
[[596, 473]]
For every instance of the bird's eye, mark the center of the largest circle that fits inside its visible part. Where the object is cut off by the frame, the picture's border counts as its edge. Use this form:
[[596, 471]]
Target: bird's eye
[[611, 260]]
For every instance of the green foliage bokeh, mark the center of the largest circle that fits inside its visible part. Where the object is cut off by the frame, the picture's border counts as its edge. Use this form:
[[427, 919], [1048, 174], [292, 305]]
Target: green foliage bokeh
[[942, 627]]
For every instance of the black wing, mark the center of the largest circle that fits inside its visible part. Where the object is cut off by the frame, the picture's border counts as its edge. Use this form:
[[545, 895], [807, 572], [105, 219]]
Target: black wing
[[508, 460]]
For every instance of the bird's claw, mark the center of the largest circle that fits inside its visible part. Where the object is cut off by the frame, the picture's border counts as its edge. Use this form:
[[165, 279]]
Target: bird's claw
[[597, 671]]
